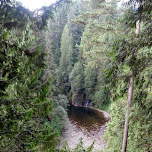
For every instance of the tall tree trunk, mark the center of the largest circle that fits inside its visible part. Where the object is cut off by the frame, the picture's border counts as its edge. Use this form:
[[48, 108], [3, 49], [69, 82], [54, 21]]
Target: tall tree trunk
[[130, 94], [137, 27], [138, 21]]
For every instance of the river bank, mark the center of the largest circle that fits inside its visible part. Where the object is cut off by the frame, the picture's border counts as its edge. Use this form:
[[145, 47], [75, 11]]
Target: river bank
[[72, 135], [74, 132], [106, 114]]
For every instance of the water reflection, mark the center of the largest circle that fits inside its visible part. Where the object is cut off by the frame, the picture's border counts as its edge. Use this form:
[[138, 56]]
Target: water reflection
[[85, 123], [86, 119]]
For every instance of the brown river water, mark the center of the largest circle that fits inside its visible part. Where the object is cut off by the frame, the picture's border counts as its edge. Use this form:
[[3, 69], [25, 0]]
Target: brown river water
[[88, 123]]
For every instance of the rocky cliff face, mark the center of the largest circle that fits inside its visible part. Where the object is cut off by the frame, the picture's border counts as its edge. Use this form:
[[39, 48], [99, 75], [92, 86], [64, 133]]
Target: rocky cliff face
[[78, 99]]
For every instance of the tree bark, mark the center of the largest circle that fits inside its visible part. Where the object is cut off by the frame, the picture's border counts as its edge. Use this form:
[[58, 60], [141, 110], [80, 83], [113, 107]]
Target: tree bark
[[130, 94], [138, 21], [137, 27]]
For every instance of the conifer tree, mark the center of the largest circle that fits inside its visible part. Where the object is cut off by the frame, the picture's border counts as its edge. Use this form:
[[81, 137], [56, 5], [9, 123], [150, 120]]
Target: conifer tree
[[130, 60], [66, 59], [24, 106], [77, 77], [95, 45]]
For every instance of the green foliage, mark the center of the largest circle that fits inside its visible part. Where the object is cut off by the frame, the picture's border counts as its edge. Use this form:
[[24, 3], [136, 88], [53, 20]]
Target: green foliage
[[23, 98], [65, 147], [66, 60], [58, 116], [99, 98], [90, 81], [58, 23], [131, 56], [14, 15], [24, 104], [61, 100], [100, 31], [114, 132], [79, 147], [58, 119], [76, 77]]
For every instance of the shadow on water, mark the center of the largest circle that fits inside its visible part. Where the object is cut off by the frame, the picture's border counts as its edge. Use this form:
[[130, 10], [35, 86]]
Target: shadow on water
[[86, 118]]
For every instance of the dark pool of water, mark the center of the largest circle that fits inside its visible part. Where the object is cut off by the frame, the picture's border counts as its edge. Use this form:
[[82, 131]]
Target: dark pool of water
[[86, 118]]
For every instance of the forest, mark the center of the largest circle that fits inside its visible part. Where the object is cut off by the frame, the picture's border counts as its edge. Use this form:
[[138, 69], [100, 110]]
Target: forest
[[91, 54]]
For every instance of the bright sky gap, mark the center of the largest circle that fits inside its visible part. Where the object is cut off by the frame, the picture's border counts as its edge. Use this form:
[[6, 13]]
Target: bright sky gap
[[36, 4]]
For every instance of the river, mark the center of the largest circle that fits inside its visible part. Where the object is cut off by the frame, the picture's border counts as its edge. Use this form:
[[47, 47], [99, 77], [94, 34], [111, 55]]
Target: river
[[90, 124]]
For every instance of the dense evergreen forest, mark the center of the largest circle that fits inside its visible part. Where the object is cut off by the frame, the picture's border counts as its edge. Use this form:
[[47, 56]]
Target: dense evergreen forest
[[92, 53]]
